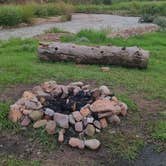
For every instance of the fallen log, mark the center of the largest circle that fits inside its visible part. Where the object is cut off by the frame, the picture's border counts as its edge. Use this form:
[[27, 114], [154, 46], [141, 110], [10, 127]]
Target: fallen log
[[103, 55]]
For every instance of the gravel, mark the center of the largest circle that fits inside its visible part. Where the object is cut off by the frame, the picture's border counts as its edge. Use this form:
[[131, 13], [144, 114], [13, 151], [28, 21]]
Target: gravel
[[78, 22]]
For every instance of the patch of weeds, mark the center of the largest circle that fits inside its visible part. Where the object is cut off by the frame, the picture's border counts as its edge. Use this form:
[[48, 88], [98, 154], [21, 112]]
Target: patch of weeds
[[55, 30], [125, 145], [4, 122], [159, 130], [130, 103], [12, 161], [40, 135]]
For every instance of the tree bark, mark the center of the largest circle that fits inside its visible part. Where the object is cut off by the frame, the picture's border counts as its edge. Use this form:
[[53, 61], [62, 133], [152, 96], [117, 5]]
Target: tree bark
[[103, 55]]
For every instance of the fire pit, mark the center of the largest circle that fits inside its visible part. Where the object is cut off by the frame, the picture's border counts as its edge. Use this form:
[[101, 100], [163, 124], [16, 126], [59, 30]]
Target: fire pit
[[74, 111]]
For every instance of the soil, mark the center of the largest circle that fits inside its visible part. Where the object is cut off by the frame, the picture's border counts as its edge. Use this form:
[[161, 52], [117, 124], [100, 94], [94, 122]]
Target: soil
[[21, 146]]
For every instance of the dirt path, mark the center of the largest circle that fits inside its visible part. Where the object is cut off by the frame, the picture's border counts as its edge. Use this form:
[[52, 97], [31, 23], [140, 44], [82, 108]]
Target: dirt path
[[78, 22]]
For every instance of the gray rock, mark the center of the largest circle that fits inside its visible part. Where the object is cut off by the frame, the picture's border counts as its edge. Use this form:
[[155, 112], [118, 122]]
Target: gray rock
[[90, 119], [104, 90], [78, 126], [90, 130], [50, 127], [61, 120], [49, 112], [71, 119], [97, 124], [36, 115], [92, 144], [77, 116], [114, 119]]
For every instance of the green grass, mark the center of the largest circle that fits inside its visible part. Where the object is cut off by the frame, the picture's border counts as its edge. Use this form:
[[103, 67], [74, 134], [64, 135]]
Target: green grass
[[55, 30], [20, 65], [123, 145], [159, 130], [12, 161], [127, 8]]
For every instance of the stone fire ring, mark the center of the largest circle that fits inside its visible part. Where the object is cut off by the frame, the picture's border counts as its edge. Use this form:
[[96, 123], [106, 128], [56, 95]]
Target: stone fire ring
[[74, 111]]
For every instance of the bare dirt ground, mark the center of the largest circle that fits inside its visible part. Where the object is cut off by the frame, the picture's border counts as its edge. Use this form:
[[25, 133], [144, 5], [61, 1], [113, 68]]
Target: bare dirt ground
[[23, 147]]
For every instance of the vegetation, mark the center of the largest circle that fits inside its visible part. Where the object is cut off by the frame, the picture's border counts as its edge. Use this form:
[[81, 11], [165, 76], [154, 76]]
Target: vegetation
[[11, 15], [127, 8]]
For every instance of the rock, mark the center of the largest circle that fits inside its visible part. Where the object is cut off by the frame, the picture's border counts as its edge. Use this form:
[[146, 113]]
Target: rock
[[40, 123], [57, 91], [71, 119], [47, 117], [36, 115], [32, 105], [90, 119], [103, 123], [105, 69], [15, 115], [49, 86], [65, 91], [26, 112], [124, 108], [105, 114], [26, 121], [50, 127], [117, 110], [80, 84], [39, 92], [97, 124], [29, 95], [76, 90], [75, 142], [85, 112], [98, 130], [77, 116], [104, 90], [78, 126], [85, 122], [103, 106], [85, 87], [92, 144], [61, 135], [90, 130], [96, 94], [114, 119], [114, 99], [61, 120], [49, 112]]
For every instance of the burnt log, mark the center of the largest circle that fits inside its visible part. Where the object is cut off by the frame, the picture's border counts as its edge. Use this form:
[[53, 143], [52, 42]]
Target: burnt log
[[103, 55]]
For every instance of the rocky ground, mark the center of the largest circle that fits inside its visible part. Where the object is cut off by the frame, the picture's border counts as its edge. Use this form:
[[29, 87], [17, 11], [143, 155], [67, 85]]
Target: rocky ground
[[78, 22]]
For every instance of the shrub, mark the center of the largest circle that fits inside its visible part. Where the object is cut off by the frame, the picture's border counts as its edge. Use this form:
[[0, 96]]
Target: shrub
[[10, 16], [161, 21], [147, 18]]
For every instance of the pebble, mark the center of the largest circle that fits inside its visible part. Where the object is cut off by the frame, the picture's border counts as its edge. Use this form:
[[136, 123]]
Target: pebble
[[15, 115], [85, 112], [61, 135], [49, 112], [97, 124]]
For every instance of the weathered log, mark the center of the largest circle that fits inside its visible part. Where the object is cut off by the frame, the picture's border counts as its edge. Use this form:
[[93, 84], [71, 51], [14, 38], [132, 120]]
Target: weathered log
[[103, 55]]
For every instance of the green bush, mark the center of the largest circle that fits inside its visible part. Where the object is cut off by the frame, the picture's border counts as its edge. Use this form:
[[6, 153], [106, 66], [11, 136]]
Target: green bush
[[10, 16], [161, 21]]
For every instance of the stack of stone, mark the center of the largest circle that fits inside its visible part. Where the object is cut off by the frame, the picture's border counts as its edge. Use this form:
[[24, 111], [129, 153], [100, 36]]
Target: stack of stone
[[90, 119]]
